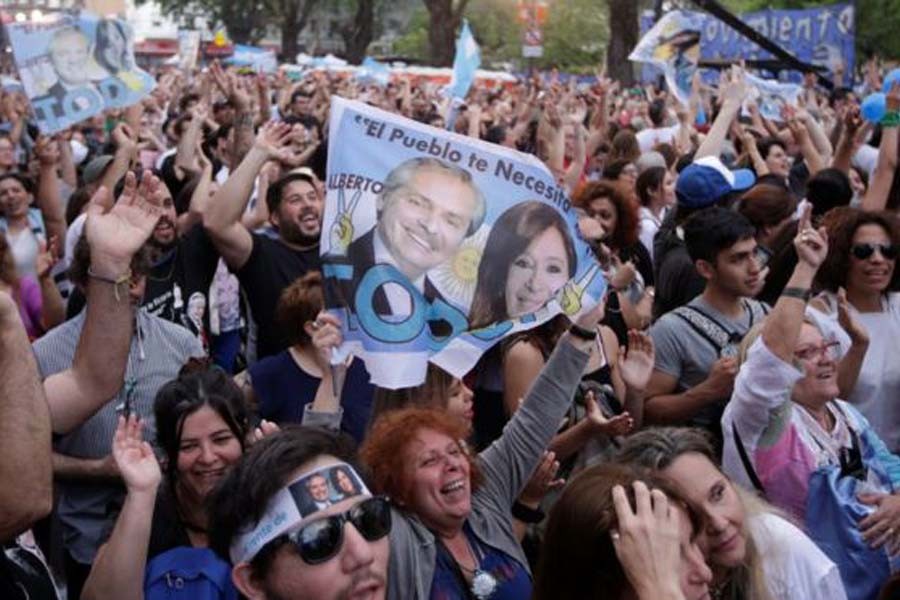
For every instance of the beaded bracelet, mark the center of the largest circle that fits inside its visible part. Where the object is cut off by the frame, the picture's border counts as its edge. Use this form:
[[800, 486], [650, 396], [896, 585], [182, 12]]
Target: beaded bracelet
[[891, 119]]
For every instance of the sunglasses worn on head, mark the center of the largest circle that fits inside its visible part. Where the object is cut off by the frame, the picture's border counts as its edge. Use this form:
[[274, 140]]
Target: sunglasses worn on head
[[319, 540], [864, 251]]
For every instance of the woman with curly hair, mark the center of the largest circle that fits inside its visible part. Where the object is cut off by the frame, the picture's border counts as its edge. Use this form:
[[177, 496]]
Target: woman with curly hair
[[610, 222], [860, 277]]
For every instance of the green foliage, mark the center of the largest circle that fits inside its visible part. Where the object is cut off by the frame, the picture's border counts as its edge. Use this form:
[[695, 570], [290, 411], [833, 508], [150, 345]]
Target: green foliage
[[575, 35]]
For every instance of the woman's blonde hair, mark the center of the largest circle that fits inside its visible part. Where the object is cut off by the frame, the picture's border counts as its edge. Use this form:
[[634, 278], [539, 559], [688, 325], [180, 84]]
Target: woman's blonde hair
[[657, 448]]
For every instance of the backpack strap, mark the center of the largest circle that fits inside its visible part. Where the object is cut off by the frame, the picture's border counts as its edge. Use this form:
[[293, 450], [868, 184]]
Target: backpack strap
[[705, 326], [745, 460]]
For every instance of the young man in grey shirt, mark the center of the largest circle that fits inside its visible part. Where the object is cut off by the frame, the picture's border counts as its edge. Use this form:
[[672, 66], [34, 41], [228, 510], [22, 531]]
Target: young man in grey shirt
[[696, 345]]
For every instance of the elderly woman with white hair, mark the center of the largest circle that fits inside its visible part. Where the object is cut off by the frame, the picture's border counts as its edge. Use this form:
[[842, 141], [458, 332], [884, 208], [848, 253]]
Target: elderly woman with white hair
[[811, 454]]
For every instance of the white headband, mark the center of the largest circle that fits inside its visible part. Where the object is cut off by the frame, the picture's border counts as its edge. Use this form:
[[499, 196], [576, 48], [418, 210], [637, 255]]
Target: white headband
[[290, 505]]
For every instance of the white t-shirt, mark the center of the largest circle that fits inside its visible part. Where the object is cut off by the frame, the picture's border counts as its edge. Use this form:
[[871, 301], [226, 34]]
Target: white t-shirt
[[794, 567], [648, 227], [649, 138]]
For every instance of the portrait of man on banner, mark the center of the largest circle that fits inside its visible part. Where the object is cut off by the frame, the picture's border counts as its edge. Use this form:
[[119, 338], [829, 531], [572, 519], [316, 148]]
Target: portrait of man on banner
[[74, 68], [438, 245]]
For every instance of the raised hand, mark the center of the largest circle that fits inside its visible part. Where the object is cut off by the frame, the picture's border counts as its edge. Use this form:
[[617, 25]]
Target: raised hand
[[47, 257], [811, 244], [735, 87], [124, 138], [273, 139], [636, 360], [849, 322], [230, 86], [134, 457], [615, 425], [542, 481], [326, 335], [720, 381], [116, 235], [648, 542]]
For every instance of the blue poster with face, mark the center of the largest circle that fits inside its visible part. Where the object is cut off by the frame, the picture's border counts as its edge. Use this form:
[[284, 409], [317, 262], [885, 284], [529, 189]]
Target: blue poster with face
[[435, 245], [74, 67]]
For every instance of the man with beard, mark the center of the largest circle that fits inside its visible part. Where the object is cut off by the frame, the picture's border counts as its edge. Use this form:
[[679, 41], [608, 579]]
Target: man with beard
[[263, 265], [183, 269]]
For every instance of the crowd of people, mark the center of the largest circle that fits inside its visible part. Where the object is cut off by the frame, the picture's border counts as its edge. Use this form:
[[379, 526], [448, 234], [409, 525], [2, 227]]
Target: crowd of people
[[719, 426]]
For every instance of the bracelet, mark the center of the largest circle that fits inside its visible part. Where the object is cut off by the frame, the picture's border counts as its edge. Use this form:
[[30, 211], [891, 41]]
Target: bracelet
[[582, 333], [526, 514], [891, 119], [795, 292], [122, 279]]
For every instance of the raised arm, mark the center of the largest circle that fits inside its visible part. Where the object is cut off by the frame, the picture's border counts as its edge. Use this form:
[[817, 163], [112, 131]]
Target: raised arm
[[846, 145], [223, 218], [48, 191], [98, 367], [733, 95], [877, 195], [511, 459], [118, 569], [782, 327], [25, 465], [126, 143]]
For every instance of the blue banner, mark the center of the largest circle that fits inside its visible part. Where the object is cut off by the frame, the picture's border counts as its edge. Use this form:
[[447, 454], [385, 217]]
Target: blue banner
[[73, 68], [821, 36], [436, 245]]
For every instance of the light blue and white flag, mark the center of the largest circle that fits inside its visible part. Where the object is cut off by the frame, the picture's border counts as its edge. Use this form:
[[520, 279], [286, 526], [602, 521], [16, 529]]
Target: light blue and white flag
[[466, 62], [435, 246], [771, 96], [673, 45], [75, 67], [374, 71]]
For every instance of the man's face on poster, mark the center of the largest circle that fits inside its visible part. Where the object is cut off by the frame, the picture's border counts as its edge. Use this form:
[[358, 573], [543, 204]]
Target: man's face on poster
[[318, 488], [69, 55], [424, 222]]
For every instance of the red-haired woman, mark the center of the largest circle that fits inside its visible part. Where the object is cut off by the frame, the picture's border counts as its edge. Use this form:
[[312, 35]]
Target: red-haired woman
[[453, 533]]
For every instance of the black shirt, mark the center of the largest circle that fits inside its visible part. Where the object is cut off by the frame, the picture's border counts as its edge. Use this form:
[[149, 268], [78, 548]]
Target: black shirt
[[178, 284], [24, 574], [271, 267]]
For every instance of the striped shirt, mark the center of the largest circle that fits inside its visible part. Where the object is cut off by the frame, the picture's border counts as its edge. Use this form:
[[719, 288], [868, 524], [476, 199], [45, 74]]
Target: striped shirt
[[158, 352]]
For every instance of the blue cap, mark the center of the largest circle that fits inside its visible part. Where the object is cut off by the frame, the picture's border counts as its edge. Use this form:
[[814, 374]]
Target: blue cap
[[705, 181]]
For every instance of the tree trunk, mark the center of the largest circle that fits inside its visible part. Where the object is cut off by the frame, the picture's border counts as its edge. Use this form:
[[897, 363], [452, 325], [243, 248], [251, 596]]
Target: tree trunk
[[444, 20], [359, 33], [289, 32], [623, 37]]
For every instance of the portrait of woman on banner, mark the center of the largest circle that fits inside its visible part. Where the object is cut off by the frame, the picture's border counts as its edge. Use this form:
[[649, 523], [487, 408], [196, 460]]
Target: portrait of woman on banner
[[528, 257]]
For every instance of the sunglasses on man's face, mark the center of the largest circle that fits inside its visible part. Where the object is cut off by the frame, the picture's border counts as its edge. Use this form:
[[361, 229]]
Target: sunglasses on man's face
[[864, 251], [320, 540]]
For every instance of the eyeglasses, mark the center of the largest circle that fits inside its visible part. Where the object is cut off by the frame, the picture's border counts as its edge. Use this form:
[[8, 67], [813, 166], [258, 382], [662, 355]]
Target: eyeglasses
[[864, 251], [827, 349], [320, 540]]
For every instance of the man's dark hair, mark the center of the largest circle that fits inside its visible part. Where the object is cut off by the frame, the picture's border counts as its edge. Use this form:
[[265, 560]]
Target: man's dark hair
[[300, 94], [186, 100], [765, 146], [657, 112], [275, 193], [712, 230], [827, 189], [26, 181], [241, 498]]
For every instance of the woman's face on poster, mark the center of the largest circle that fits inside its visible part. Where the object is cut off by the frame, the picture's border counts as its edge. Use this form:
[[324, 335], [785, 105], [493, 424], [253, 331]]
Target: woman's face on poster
[[537, 274], [115, 46]]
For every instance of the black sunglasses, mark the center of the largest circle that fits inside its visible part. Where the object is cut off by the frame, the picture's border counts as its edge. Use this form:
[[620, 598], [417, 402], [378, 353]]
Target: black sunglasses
[[864, 251], [319, 540]]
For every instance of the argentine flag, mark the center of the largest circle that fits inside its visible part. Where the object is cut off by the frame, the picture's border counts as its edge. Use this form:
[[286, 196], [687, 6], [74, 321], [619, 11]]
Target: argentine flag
[[466, 62]]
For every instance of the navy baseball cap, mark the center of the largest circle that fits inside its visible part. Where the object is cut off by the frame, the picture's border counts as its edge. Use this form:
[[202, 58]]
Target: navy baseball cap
[[707, 180]]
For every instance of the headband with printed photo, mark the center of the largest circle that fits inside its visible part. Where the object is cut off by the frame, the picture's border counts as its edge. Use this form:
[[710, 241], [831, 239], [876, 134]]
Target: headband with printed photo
[[308, 494]]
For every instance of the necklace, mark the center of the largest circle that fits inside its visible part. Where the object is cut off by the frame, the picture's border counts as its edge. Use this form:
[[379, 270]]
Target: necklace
[[484, 584]]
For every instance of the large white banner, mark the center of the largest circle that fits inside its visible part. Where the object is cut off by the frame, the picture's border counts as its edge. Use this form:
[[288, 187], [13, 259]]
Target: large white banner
[[436, 245]]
